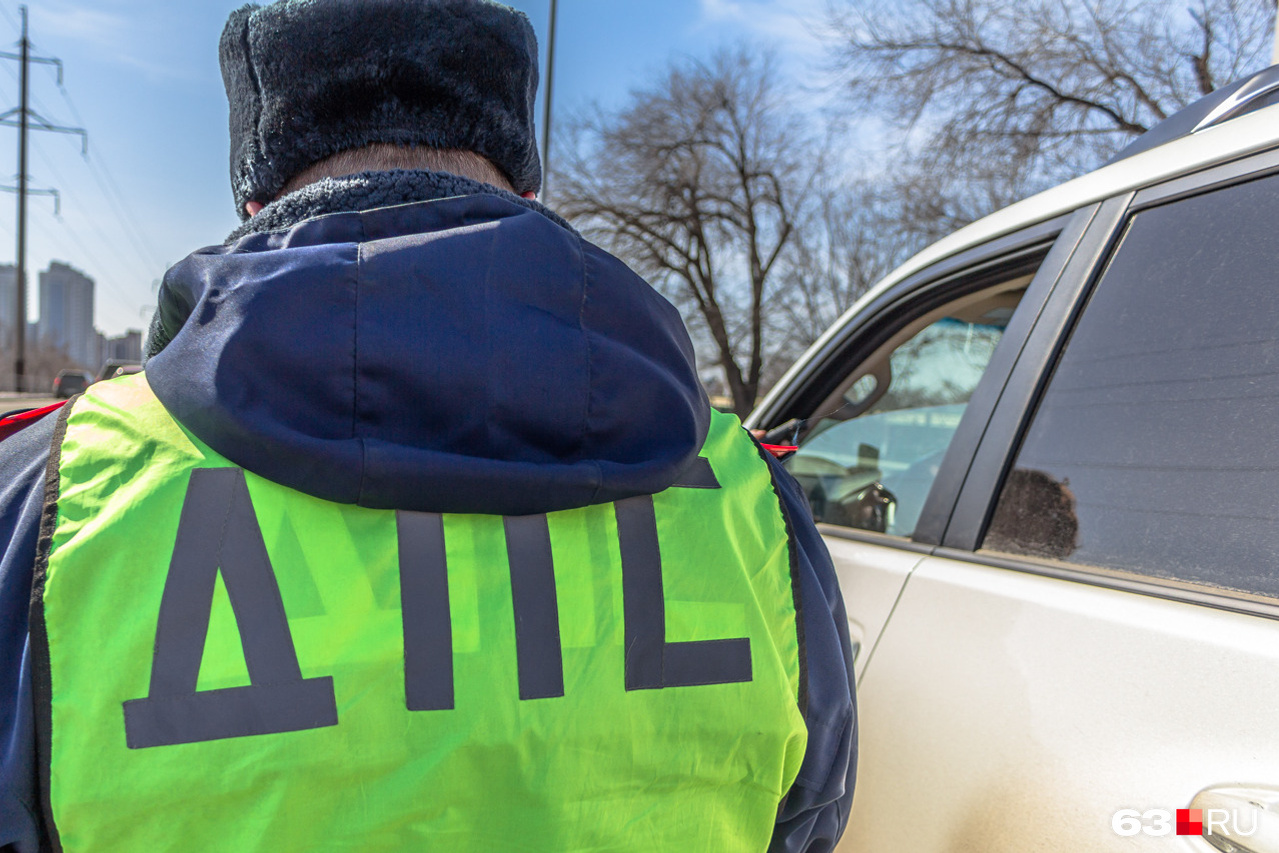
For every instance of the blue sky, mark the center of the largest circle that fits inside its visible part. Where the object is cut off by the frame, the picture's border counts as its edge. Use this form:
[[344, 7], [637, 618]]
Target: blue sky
[[142, 77]]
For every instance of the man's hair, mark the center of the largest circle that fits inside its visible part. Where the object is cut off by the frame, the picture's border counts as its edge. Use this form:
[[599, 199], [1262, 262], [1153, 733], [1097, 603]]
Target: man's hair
[[381, 157]]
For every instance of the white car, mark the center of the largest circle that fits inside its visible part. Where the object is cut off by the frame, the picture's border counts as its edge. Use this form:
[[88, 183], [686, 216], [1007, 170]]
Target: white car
[[1044, 454]]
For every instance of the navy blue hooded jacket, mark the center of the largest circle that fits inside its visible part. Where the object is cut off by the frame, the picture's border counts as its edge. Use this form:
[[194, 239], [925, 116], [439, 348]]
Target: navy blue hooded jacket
[[453, 354]]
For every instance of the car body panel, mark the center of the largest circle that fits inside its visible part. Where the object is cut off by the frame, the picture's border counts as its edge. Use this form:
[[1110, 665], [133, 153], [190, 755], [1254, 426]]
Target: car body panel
[[1036, 708], [1012, 704], [872, 576]]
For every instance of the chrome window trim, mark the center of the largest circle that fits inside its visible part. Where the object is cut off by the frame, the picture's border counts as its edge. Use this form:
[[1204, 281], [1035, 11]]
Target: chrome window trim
[[1237, 102], [1213, 178], [1099, 576], [870, 537]]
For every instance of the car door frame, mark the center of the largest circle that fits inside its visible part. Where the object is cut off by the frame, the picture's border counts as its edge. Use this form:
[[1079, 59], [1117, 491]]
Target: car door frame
[[1043, 248], [899, 680], [887, 561], [1013, 413]]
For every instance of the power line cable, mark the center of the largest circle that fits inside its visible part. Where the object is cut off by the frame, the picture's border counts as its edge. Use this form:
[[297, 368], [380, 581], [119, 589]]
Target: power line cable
[[74, 235], [57, 175], [9, 17], [136, 232], [85, 257], [121, 299], [93, 223], [115, 202], [55, 237], [62, 181], [147, 264], [109, 281]]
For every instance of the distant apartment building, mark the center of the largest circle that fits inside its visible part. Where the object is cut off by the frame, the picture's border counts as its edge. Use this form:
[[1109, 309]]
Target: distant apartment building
[[8, 305], [126, 347], [66, 313]]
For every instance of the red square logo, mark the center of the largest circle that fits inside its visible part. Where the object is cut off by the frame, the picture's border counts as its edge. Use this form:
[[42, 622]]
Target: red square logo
[[1190, 822]]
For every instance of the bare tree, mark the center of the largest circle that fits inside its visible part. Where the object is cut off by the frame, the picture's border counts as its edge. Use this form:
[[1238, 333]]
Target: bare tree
[[43, 363], [699, 182], [1015, 96], [849, 239]]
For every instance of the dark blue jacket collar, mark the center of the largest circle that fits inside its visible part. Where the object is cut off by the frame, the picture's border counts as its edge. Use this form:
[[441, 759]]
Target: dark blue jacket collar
[[467, 354], [369, 190]]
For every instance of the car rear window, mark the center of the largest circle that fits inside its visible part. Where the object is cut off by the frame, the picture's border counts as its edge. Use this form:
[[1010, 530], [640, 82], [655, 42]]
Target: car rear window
[[1156, 444]]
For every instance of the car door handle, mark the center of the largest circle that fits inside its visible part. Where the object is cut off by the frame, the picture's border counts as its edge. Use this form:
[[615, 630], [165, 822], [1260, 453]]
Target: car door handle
[[1239, 818]]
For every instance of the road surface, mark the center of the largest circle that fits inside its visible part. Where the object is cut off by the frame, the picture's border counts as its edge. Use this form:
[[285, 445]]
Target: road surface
[[10, 401]]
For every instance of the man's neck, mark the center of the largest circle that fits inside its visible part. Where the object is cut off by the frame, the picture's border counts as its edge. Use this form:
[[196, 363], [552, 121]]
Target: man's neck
[[369, 190]]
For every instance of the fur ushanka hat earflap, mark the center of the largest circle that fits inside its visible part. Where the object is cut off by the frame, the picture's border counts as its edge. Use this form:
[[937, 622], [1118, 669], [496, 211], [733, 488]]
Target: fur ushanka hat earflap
[[309, 78]]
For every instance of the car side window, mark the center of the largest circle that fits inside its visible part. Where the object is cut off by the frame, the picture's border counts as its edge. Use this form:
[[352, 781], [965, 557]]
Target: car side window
[[1155, 445], [871, 453]]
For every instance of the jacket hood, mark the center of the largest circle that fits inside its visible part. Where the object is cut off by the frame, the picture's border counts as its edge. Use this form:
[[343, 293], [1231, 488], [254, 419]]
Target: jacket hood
[[463, 354]]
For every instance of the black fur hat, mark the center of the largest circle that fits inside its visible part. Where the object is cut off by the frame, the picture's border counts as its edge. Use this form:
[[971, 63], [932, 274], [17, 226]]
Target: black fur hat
[[309, 78]]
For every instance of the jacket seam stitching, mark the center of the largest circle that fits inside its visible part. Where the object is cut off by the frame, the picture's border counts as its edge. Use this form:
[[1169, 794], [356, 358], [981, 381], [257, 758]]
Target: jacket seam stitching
[[41, 676], [816, 781], [796, 592], [355, 363], [590, 371]]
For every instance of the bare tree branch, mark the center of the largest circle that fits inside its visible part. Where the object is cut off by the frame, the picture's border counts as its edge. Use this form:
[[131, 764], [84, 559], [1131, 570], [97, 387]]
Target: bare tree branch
[[1043, 88], [699, 181]]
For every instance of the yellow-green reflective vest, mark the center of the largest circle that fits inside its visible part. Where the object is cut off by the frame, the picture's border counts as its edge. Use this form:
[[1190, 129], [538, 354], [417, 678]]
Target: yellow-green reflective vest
[[226, 664]]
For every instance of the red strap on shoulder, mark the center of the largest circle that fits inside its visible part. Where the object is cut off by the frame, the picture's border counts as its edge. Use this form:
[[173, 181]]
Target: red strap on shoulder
[[11, 424], [781, 451]]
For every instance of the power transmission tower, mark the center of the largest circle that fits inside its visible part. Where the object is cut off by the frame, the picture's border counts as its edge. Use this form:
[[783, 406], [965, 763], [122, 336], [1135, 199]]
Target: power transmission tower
[[546, 114], [22, 117]]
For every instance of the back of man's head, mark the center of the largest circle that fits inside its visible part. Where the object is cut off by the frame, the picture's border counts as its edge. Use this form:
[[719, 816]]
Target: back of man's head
[[380, 157], [321, 88]]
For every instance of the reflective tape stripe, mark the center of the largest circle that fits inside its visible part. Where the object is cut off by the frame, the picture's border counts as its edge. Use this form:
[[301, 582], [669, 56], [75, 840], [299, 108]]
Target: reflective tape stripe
[[651, 662], [218, 530], [537, 619], [259, 709], [424, 602], [698, 475], [643, 607]]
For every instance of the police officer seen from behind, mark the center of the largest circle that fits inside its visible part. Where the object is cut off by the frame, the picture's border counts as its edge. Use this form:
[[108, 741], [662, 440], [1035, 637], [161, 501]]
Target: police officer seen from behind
[[417, 533]]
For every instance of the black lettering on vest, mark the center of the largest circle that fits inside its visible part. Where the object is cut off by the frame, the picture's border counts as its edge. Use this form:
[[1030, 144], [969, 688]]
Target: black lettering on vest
[[428, 630], [219, 530], [537, 617], [424, 605], [698, 475], [651, 662]]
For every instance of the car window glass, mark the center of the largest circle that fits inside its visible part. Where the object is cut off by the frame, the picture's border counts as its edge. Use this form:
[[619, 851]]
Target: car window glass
[[1155, 446], [869, 460]]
